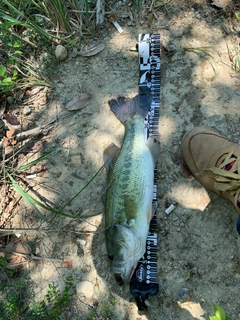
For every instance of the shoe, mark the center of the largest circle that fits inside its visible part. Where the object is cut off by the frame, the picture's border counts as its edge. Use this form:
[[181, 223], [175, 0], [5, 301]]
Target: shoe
[[215, 162]]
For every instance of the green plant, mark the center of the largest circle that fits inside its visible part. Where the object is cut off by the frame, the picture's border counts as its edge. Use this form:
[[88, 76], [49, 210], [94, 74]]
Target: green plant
[[138, 5], [3, 261], [237, 15], [219, 313], [16, 306], [16, 69], [234, 57], [36, 17], [34, 26], [54, 302], [11, 308], [236, 63], [104, 311], [204, 50], [7, 81], [10, 272], [33, 202], [8, 70]]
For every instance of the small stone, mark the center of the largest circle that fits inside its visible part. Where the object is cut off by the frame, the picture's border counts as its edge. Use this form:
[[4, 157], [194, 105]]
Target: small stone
[[26, 110], [85, 288], [81, 242], [133, 49], [10, 99], [183, 295], [60, 52]]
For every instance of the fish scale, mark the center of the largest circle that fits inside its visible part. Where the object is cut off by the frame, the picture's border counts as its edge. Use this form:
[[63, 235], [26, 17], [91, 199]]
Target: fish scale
[[126, 181]]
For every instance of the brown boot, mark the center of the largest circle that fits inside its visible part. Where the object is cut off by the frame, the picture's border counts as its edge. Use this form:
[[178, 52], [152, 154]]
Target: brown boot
[[214, 161]]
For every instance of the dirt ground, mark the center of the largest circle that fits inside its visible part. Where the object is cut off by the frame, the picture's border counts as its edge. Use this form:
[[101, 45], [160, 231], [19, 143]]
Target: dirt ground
[[198, 246]]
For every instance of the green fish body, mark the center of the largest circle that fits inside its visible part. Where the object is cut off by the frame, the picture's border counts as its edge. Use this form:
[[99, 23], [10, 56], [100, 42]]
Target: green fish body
[[129, 191]]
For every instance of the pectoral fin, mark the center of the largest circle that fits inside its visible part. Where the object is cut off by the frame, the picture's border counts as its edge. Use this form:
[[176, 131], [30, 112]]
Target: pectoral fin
[[110, 155], [155, 148]]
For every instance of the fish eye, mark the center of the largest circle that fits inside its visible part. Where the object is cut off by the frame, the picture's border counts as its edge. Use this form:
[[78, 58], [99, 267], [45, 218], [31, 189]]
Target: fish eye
[[110, 256]]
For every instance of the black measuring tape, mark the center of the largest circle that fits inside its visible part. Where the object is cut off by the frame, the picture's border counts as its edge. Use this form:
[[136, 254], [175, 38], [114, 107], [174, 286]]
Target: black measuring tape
[[144, 280]]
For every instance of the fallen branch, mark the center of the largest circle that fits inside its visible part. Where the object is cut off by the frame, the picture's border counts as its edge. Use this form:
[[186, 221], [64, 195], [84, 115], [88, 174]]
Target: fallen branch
[[19, 230], [100, 14], [43, 129], [30, 256]]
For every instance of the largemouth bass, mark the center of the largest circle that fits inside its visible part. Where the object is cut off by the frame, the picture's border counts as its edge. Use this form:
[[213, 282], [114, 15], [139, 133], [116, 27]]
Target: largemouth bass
[[129, 191]]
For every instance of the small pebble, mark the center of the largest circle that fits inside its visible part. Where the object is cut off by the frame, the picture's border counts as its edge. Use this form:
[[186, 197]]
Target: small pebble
[[81, 242], [26, 110], [10, 99], [85, 288], [183, 295], [60, 52], [133, 49]]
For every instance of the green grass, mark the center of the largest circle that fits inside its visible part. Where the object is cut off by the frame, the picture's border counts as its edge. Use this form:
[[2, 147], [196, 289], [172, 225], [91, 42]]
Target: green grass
[[13, 174], [20, 304], [28, 28], [103, 311], [55, 20], [204, 50]]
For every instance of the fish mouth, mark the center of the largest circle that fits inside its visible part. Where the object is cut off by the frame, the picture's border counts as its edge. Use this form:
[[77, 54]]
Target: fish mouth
[[123, 277], [123, 271], [130, 250]]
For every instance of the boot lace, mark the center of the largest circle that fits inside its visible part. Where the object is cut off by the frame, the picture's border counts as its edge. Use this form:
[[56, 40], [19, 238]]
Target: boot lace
[[228, 180]]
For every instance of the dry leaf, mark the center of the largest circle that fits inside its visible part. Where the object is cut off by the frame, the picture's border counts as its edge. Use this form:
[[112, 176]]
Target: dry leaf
[[221, 3], [11, 118], [67, 263], [194, 309], [10, 139], [79, 102], [31, 92], [176, 158], [5, 142], [184, 170], [22, 247], [19, 247], [10, 133], [91, 51]]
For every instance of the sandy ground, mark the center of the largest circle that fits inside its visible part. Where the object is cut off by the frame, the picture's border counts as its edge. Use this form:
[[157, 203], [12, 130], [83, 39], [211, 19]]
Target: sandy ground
[[198, 247]]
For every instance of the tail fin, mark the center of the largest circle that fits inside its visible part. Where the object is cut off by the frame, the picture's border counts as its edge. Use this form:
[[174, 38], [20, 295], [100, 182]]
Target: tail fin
[[124, 108]]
